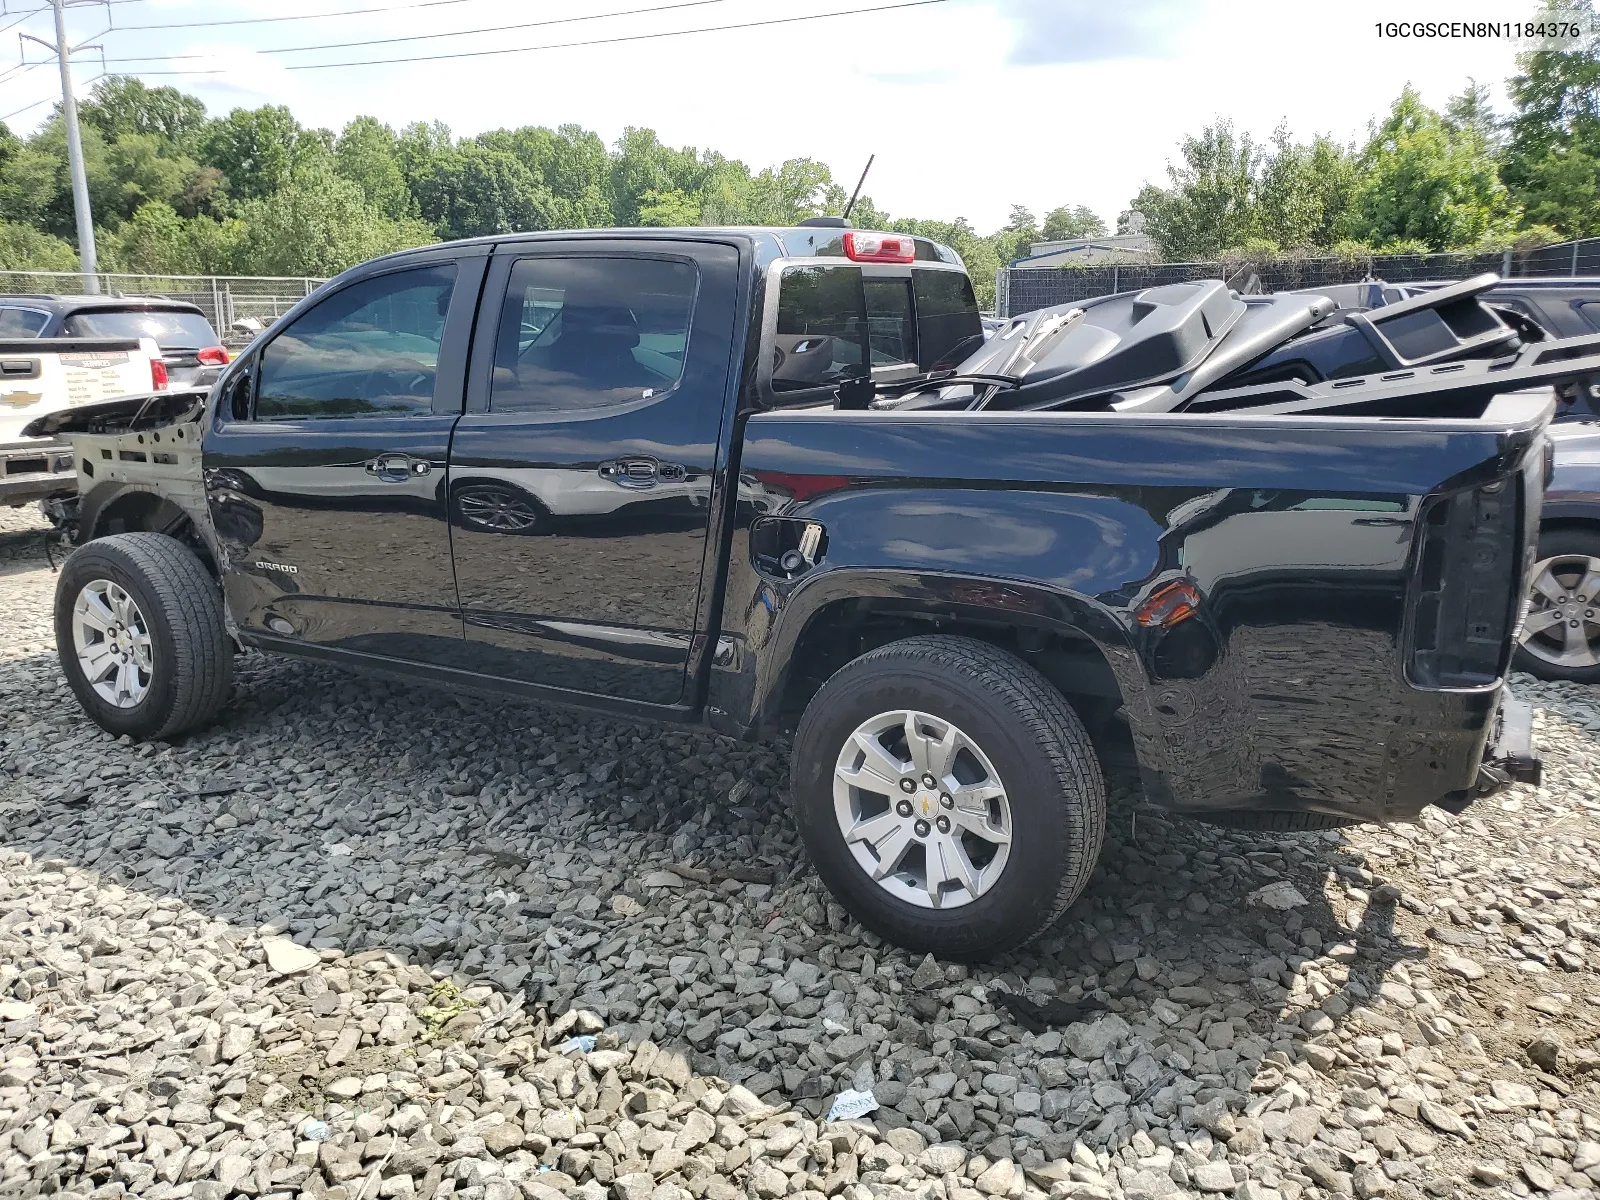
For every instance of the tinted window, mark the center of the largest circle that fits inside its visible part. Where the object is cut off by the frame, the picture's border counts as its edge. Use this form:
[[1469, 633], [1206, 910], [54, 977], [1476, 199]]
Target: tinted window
[[891, 323], [822, 328], [170, 330], [368, 350], [947, 319], [585, 333], [22, 322]]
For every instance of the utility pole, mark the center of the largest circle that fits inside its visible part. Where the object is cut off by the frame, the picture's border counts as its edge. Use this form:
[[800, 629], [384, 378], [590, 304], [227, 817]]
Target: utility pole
[[80, 183]]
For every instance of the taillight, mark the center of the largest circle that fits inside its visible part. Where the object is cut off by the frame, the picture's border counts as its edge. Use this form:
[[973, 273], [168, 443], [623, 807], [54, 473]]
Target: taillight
[[1166, 606], [879, 247], [159, 380], [212, 356]]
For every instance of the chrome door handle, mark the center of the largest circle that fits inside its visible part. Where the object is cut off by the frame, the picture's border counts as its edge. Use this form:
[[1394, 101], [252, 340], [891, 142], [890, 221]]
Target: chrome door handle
[[397, 468], [631, 472]]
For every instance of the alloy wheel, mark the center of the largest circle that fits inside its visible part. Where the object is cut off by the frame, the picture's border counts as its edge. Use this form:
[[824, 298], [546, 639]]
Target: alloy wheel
[[1562, 625], [922, 809], [112, 640]]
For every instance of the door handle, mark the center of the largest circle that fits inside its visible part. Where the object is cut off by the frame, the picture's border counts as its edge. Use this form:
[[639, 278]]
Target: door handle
[[631, 472], [397, 468]]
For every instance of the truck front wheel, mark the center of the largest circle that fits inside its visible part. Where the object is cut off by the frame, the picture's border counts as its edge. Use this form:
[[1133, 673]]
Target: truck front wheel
[[948, 795], [140, 636]]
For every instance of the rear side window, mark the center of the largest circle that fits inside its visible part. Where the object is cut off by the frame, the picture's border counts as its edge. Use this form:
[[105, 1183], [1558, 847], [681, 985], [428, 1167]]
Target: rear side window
[[588, 332], [891, 321], [368, 350], [947, 319], [22, 322], [169, 330], [822, 328]]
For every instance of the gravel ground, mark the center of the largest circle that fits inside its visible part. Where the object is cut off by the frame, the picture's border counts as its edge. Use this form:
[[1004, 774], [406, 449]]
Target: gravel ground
[[340, 946]]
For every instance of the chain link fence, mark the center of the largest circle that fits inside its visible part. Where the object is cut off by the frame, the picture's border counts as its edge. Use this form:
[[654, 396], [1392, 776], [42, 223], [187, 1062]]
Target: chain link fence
[[1024, 289], [238, 306]]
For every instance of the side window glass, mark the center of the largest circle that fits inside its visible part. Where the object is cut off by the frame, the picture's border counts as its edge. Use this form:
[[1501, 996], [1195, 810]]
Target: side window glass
[[891, 326], [1590, 312], [822, 328], [22, 322], [947, 319], [369, 350], [583, 333]]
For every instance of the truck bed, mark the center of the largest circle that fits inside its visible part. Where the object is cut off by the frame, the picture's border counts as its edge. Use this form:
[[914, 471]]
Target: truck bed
[[1354, 579]]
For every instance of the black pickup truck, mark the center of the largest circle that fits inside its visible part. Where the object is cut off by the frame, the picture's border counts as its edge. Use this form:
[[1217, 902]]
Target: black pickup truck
[[735, 477]]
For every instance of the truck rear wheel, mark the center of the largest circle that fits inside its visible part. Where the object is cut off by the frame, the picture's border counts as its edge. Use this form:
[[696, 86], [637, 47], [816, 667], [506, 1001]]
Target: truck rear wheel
[[948, 795], [140, 635]]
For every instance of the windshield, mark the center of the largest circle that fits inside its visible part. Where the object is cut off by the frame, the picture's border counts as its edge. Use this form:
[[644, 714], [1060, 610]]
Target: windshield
[[171, 330]]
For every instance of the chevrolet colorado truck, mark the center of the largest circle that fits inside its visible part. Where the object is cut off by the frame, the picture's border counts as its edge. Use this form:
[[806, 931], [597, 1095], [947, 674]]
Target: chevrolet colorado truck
[[777, 480]]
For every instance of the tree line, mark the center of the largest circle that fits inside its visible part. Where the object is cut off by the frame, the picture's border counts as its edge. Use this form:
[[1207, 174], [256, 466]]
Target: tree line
[[177, 191]]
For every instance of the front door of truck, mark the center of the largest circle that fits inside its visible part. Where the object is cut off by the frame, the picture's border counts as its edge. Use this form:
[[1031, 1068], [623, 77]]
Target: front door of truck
[[326, 464], [581, 475]]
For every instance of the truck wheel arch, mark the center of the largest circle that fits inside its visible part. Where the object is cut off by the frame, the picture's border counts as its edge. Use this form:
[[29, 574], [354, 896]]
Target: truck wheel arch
[[841, 614], [115, 507]]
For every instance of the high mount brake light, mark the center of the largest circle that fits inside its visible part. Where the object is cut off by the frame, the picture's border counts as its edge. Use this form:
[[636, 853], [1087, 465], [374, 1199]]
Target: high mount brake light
[[879, 247]]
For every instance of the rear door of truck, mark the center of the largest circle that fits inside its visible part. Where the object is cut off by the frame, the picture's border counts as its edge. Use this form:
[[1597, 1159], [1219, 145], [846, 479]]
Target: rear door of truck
[[581, 475]]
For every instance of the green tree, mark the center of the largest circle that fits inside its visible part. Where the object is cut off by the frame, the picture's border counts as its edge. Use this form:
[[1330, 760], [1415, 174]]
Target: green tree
[[368, 154], [642, 164], [1304, 191], [1078, 221], [1422, 181], [120, 105], [1554, 130], [1209, 201], [319, 223], [254, 147], [138, 170], [154, 241], [1471, 110], [668, 209], [26, 248], [474, 190], [1562, 191]]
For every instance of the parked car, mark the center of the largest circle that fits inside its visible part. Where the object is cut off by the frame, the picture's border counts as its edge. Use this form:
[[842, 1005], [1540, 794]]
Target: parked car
[[39, 376], [190, 348], [1293, 604]]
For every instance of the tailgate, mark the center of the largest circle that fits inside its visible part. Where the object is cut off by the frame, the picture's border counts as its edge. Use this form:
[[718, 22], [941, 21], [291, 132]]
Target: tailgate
[[39, 376]]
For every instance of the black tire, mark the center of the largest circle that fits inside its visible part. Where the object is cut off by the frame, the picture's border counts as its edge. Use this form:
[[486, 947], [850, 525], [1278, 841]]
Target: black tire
[[191, 661], [1051, 777], [1275, 822], [1556, 541]]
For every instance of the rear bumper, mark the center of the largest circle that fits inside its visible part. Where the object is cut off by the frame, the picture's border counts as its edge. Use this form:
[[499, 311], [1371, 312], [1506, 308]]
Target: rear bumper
[[35, 470], [1509, 756]]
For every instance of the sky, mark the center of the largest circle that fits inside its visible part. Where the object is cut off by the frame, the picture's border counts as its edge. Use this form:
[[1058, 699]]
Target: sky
[[970, 106]]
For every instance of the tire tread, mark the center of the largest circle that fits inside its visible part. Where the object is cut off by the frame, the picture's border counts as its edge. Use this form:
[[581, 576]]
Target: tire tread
[[191, 606]]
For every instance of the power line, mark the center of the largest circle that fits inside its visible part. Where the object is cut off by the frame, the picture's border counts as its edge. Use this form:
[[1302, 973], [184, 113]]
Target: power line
[[21, 17], [348, 12], [610, 41], [417, 37], [47, 100]]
